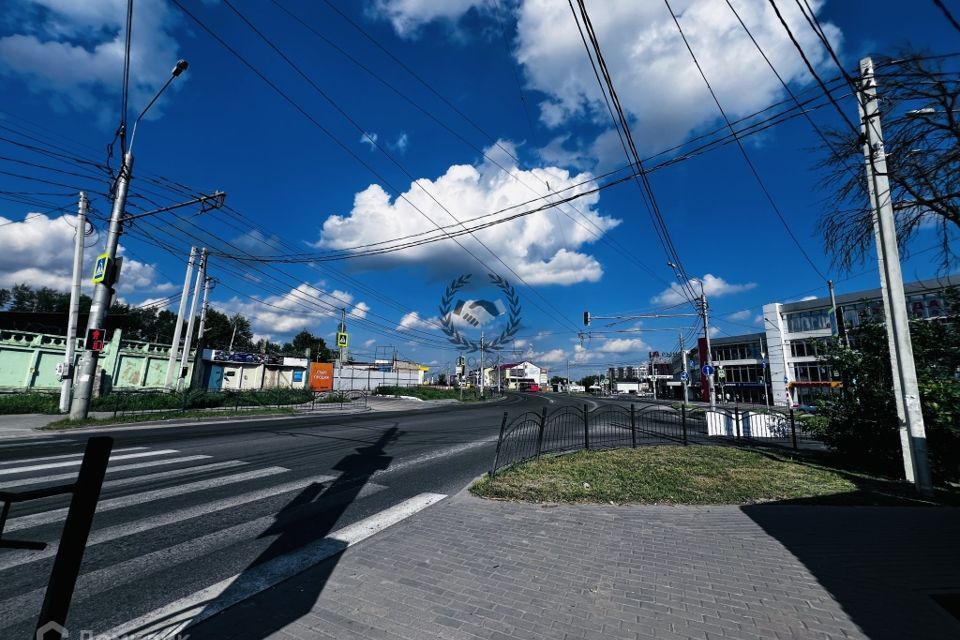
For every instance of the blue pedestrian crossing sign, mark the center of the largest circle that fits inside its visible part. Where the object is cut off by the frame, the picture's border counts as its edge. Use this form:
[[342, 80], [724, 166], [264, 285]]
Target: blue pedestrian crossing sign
[[707, 370], [100, 268], [684, 376], [342, 339]]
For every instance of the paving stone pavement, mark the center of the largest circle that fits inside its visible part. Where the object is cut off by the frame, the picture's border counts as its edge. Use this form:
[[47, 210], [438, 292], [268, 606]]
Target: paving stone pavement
[[469, 568]]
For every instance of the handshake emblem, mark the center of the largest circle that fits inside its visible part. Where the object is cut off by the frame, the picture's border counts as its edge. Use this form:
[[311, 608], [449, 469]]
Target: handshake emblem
[[479, 312]]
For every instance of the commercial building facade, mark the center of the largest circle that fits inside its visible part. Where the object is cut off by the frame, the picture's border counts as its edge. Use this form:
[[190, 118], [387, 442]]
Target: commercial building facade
[[796, 333]]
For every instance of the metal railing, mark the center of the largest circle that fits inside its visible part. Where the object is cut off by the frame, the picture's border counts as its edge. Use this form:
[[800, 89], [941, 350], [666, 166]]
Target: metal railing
[[73, 538], [568, 429], [161, 401], [339, 399]]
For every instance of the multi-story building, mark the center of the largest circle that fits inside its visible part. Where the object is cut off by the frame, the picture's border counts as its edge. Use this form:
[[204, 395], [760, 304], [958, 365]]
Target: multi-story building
[[796, 332], [783, 363]]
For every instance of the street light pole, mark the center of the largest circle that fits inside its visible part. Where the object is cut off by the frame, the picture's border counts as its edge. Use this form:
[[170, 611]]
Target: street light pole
[[683, 355], [103, 293], [102, 297], [706, 332], [898, 326], [706, 337]]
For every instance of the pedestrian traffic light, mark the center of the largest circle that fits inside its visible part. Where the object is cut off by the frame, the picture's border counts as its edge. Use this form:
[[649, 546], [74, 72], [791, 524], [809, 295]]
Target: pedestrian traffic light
[[586, 318]]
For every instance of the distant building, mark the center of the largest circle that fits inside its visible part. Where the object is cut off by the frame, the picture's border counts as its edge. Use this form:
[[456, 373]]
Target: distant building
[[512, 375]]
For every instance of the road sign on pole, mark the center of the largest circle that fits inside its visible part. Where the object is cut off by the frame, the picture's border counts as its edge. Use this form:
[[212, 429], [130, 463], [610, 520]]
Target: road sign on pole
[[342, 340], [684, 376], [100, 268], [707, 370], [786, 380]]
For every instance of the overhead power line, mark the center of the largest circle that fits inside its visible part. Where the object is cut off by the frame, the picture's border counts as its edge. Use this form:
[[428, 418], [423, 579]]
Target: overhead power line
[[743, 151]]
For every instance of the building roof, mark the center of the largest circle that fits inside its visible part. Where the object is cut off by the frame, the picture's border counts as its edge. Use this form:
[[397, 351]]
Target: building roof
[[919, 286]]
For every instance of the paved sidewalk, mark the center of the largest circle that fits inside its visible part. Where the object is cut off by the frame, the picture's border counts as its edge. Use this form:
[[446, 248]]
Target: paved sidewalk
[[468, 568]]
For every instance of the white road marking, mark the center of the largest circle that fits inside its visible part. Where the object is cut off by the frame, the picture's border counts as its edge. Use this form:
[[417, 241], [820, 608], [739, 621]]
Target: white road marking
[[65, 456], [170, 620], [99, 536], [55, 515], [19, 482], [34, 443], [25, 606], [175, 473], [433, 455], [54, 465]]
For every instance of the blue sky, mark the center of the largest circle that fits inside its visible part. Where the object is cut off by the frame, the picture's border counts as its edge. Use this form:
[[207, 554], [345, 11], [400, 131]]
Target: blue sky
[[501, 108]]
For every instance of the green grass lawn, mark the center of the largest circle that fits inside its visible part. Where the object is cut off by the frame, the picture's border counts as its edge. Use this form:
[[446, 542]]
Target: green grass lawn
[[67, 423], [693, 475]]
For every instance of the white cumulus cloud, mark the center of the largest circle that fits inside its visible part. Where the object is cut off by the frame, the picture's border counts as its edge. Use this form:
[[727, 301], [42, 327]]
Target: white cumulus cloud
[[304, 307], [38, 251], [713, 287], [655, 77], [75, 52], [412, 320], [543, 248]]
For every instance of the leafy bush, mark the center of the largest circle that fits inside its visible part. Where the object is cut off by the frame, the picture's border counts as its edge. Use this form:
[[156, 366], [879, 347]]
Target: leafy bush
[[861, 422], [29, 403]]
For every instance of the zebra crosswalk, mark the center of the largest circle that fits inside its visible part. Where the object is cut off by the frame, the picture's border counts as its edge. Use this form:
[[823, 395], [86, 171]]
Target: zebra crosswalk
[[170, 524]]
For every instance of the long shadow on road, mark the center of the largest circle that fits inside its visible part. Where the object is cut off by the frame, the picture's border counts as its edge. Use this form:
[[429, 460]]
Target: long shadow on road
[[299, 541]]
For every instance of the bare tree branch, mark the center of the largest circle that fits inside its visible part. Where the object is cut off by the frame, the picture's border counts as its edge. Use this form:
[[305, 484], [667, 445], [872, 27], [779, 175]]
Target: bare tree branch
[[921, 125]]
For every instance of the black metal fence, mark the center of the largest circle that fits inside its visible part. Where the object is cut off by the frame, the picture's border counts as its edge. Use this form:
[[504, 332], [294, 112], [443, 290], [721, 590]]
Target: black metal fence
[[356, 398], [161, 401], [568, 429]]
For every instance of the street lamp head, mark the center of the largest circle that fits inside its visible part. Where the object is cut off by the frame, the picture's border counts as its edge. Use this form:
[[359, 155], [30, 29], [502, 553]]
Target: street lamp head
[[926, 111], [180, 68]]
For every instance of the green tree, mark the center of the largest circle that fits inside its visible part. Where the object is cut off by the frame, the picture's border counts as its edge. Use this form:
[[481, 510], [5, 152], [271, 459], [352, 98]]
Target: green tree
[[442, 379], [4, 297], [589, 381], [304, 341], [243, 338], [861, 422]]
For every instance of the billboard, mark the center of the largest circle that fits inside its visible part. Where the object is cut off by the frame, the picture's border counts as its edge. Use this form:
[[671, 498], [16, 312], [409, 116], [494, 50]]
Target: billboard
[[321, 376]]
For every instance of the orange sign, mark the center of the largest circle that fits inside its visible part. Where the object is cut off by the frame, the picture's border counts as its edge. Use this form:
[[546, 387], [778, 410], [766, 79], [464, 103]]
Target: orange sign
[[321, 376]]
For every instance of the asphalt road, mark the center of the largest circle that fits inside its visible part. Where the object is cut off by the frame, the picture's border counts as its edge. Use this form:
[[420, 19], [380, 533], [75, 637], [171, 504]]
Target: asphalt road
[[186, 507]]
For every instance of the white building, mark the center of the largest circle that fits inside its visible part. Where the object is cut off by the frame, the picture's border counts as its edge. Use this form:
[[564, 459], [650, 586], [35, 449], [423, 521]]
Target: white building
[[795, 330]]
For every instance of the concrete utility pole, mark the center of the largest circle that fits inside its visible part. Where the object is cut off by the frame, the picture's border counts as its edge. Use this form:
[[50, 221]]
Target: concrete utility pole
[[895, 304], [836, 314], [683, 356], [906, 442], [102, 296], [207, 285], [706, 337], [343, 329], [175, 344], [482, 378], [188, 338], [66, 385]]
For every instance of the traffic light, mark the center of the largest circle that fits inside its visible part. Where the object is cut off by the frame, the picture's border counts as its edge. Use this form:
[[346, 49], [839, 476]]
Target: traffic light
[[586, 318]]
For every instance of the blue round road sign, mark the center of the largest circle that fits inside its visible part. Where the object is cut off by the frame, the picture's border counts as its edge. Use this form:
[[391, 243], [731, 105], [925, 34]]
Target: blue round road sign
[[684, 376], [707, 370]]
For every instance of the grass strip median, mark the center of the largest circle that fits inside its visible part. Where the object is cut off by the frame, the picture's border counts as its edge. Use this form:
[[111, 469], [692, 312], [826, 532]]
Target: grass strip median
[[695, 475], [163, 416]]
